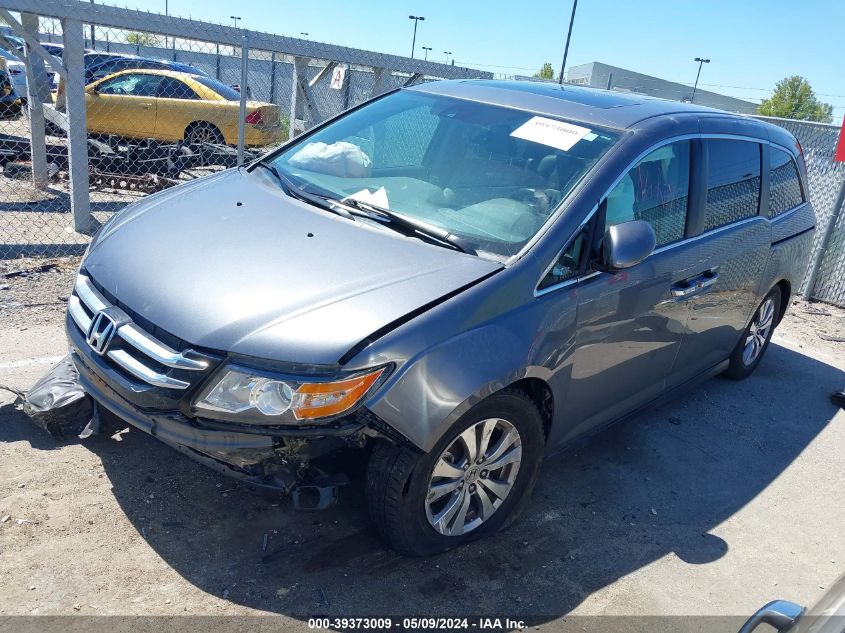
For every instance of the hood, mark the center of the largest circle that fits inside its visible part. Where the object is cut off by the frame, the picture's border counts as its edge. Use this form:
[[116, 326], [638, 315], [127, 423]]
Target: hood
[[231, 263]]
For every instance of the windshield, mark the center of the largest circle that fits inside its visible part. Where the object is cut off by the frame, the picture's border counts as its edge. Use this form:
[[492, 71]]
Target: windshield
[[488, 175]]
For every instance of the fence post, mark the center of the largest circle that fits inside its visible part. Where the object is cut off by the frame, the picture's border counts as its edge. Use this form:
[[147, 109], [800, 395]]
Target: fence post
[[294, 93], [272, 98], [36, 79], [217, 64], [828, 235], [80, 202], [244, 90]]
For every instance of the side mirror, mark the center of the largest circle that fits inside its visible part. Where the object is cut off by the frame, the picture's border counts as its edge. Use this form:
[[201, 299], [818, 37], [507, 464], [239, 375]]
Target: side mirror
[[94, 90], [627, 244], [780, 615]]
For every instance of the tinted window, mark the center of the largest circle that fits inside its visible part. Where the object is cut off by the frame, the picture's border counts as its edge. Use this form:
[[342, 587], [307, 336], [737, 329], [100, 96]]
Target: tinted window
[[785, 186], [227, 92], [567, 265], [171, 88], [655, 190], [733, 181], [134, 85]]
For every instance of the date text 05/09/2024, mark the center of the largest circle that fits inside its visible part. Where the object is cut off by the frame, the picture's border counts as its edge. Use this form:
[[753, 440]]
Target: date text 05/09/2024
[[411, 623]]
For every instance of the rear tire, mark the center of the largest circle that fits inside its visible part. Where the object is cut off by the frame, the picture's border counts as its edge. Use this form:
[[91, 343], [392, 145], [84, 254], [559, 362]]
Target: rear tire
[[203, 132], [404, 502], [755, 339]]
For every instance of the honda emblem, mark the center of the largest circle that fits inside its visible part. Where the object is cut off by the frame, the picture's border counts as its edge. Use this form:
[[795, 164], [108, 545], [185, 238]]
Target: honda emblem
[[100, 332]]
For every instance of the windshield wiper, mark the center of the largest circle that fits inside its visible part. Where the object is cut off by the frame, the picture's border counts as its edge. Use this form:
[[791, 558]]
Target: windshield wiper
[[408, 226], [318, 200]]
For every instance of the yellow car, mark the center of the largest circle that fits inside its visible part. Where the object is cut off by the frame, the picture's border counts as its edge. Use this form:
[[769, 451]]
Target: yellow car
[[173, 106]]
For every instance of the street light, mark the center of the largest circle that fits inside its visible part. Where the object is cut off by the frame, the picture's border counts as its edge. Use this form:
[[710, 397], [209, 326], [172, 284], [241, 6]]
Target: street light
[[235, 18], [447, 53], [701, 61], [417, 19], [303, 33], [426, 49]]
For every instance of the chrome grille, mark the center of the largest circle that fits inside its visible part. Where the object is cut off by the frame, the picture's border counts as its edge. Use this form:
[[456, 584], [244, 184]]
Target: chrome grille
[[86, 301]]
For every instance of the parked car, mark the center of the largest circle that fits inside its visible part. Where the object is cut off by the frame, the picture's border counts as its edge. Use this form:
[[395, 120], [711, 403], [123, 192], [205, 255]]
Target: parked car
[[173, 106], [449, 281], [827, 616], [10, 103], [116, 63], [16, 70]]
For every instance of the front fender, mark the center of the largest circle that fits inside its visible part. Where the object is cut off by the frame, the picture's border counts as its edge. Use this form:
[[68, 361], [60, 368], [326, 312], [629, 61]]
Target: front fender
[[435, 389]]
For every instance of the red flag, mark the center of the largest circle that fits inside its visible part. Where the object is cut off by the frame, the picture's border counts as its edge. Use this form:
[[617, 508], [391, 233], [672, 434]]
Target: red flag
[[840, 147]]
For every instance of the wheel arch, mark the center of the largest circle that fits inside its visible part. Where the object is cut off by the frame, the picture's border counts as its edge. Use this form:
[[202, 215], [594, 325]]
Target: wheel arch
[[199, 122], [785, 294]]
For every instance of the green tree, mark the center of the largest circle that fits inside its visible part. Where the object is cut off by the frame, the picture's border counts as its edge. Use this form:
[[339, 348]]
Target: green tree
[[546, 72], [142, 39], [794, 98]]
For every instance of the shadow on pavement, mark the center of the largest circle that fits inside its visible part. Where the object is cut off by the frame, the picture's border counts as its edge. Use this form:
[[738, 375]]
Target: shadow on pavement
[[590, 522]]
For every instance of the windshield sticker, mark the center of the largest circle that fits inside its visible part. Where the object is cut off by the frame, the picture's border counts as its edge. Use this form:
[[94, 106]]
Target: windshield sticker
[[549, 132], [377, 197]]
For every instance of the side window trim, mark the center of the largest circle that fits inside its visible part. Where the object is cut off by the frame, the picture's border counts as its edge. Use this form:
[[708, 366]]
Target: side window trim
[[697, 189], [765, 181]]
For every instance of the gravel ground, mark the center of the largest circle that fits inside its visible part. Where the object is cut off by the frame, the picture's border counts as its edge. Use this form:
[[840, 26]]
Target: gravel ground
[[710, 506]]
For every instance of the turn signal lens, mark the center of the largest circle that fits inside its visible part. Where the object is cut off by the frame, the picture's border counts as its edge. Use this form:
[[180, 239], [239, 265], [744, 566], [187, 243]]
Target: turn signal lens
[[322, 399]]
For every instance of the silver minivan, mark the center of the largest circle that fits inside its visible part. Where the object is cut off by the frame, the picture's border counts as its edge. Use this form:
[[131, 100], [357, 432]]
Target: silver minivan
[[448, 282]]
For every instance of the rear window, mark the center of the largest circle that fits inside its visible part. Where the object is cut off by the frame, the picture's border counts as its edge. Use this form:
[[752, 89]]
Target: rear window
[[733, 181], [227, 92], [785, 185]]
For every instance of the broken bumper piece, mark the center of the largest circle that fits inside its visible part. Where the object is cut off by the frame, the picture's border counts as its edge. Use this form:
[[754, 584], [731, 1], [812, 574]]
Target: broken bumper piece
[[274, 458]]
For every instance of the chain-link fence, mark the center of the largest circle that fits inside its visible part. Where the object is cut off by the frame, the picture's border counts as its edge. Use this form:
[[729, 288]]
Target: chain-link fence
[[165, 100], [826, 177]]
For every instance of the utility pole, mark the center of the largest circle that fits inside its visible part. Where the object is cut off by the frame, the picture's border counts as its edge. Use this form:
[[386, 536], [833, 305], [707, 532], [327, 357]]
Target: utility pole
[[701, 61], [93, 43], [568, 37], [426, 49], [417, 19]]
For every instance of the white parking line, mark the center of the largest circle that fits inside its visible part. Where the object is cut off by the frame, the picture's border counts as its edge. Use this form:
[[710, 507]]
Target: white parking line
[[28, 362]]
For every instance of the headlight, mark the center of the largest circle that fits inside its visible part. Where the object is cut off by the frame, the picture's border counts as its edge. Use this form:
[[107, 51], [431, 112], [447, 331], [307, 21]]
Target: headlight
[[245, 395]]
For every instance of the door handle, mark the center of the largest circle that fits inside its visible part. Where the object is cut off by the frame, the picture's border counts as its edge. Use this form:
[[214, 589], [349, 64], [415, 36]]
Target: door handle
[[146, 106], [693, 285]]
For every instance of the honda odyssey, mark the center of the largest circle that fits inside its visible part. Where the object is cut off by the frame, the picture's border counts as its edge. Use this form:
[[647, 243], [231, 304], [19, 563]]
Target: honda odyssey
[[449, 282]]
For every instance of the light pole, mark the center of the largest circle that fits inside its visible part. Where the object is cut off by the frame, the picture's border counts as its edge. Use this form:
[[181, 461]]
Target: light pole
[[417, 19], [426, 49], [701, 61], [568, 36], [235, 18], [447, 53], [303, 33]]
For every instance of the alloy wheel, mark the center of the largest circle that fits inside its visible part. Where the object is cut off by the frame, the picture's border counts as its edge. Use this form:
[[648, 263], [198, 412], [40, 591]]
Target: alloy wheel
[[473, 476], [758, 331]]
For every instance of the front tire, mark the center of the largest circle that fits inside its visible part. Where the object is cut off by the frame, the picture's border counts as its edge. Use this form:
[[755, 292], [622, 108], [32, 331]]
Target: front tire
[[755, 339], [475, 481]]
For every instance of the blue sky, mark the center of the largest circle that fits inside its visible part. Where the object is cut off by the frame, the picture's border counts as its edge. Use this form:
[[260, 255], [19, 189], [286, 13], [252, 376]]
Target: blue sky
[[752, 43]]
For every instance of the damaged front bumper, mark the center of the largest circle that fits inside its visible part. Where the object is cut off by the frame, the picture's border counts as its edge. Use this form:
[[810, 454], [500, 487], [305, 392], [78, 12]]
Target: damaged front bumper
[[278, 458]]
